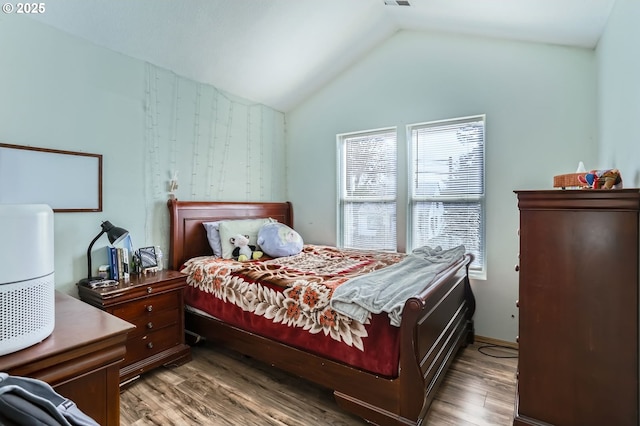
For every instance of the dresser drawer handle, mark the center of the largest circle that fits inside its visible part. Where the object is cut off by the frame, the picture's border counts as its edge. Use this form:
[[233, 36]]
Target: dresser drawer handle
[[149, 325], [150, 345], [149, 289], [149, 308]]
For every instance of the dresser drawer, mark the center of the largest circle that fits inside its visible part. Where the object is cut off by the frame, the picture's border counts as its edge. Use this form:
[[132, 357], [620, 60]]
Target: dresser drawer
[[145, 345], [154, 321], [147, 306]]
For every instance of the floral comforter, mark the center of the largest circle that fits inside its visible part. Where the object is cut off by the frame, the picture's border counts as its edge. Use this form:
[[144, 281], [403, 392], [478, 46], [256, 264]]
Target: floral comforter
[[294, 291]]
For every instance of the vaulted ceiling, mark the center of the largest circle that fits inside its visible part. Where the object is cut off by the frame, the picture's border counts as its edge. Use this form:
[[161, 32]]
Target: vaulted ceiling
[[278, 52]]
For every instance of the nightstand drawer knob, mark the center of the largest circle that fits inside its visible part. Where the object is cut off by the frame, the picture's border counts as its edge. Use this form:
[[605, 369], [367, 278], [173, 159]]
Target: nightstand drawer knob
[[149, 325], [149, 308], [149, 289], [150, 345]]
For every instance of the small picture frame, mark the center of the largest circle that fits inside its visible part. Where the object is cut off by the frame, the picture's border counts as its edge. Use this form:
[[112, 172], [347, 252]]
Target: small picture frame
[[147, 257]]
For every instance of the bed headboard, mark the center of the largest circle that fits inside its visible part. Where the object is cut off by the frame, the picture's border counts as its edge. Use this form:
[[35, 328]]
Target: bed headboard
[[188, 237]]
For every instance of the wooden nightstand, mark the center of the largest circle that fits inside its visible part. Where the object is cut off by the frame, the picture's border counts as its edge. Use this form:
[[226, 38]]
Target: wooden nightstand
[[154, 303]]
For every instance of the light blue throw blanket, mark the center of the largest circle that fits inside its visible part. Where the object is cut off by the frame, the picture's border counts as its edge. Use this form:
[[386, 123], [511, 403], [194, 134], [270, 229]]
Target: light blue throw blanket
[[387, 289]]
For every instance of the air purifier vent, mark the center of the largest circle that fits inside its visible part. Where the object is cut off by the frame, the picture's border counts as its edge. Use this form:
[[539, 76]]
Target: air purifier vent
[[27, 313], [27, 284]]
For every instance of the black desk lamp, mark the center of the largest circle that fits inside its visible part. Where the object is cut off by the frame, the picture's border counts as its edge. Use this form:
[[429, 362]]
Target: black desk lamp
[[114, 234]]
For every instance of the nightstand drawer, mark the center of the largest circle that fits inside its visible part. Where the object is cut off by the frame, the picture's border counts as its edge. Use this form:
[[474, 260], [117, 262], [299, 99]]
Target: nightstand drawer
[[147, 306], [154, 321], [146, 345], [150, 290]]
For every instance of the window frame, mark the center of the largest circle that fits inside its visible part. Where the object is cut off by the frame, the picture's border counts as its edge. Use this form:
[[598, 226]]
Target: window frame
[[405, 198], [475, 271], [341, 180]]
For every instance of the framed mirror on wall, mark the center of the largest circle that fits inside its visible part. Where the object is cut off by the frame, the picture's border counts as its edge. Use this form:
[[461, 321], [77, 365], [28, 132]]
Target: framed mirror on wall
[[67, 181]]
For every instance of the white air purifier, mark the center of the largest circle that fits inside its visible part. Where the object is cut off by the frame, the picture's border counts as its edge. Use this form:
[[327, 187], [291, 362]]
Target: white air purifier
[[27, 286]]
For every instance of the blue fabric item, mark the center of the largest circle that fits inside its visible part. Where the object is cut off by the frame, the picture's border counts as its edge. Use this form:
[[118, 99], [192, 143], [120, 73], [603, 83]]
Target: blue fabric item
[[387, 289], [278, 240], [213, 236]]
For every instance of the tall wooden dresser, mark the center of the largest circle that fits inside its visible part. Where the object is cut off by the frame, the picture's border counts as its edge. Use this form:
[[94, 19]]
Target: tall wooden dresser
[[578, 306]]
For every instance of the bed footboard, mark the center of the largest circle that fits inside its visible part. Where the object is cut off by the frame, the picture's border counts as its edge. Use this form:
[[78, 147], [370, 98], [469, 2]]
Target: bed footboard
[[435, 325], [438, 325]]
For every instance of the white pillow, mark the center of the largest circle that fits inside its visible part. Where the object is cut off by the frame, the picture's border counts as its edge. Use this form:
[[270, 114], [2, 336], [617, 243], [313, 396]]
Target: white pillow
[[213, 235], [231, 228]]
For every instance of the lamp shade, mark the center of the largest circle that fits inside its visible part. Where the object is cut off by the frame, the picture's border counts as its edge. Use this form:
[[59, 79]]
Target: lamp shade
[[114, 234]]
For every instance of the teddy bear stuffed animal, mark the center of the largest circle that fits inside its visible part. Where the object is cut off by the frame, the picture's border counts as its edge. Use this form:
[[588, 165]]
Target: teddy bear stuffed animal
[[243, 250]]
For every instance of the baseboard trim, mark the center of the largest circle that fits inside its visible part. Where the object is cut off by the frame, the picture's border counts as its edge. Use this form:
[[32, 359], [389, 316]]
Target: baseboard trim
[[492, 341]]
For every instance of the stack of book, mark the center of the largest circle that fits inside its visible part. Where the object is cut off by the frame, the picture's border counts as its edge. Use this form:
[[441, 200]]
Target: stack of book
[[119, 263]]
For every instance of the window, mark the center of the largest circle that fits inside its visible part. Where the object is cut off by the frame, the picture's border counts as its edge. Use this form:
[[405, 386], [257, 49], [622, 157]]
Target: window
[[368, 190], [446, 181], [445, 200]]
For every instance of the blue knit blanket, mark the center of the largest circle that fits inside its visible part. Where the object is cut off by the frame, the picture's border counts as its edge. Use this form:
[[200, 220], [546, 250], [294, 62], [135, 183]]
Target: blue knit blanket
[[387, 289]]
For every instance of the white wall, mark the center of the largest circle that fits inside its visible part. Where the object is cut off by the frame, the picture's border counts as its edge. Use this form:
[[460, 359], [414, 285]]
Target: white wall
[[619, 92], [540, 106], [61, 92]]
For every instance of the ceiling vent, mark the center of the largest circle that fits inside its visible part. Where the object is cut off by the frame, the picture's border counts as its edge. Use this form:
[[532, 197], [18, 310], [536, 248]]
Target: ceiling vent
[[396, 2]]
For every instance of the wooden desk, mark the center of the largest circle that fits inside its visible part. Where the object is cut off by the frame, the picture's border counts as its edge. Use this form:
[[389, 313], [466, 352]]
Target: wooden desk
[[80, 359]]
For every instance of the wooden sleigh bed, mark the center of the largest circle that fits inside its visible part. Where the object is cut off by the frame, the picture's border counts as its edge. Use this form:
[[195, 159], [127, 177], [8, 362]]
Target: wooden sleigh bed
[[436, 322]]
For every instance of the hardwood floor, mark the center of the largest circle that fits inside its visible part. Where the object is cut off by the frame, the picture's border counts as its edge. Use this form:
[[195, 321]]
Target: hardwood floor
[[220, 387]]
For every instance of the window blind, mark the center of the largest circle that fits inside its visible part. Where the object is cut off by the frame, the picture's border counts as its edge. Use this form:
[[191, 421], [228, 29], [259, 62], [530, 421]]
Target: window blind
[[368, 190], [447, 185]]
